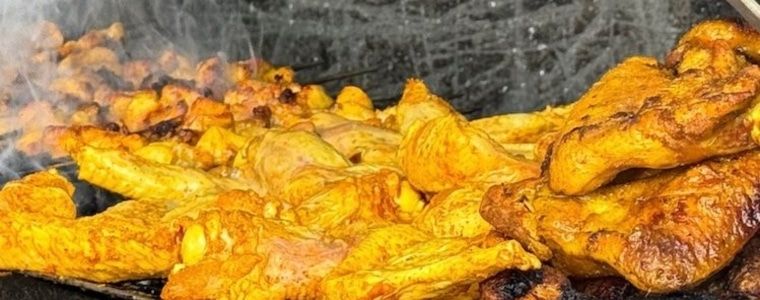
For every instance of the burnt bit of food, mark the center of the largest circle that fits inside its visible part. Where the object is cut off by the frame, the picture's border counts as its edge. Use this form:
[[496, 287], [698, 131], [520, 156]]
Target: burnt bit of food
[[161, 129], [287, 96], [207, 93], [263, 113], [356, 158], [546, 283], [612, 288], [510, 284], [112, 126], [278, 77]]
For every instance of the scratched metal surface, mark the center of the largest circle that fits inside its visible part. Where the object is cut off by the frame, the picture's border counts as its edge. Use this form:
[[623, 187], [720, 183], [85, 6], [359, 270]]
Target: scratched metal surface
[[489, 56]]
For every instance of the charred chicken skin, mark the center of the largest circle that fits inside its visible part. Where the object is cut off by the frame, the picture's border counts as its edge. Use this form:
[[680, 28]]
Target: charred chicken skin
[[645, 115], [662, 233]]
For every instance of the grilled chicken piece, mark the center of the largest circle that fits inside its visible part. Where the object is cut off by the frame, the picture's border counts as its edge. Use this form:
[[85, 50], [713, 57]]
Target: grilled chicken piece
[[417, 104], [276, 158], [455, 213], [645, 115], [211, 75], [92, 59], [34, 118], [447, 152], [134, 177], [440, 150], [402, 262], [143, 109], [304, 171], [282, 101], [134, 72], [234, 254], [353, 104], [176, 65], [47, 36], [205, 113], [315, 97], [41, 234], [523, 128], [662, 233], [133, 240], [219, 144], [93, 39], [45, 193], [80, 86], [363, 143], [380, 197], [61, 141]]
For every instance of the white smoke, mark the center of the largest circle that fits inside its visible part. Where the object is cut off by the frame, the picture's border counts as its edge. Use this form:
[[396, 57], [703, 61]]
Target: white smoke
[[194, 28]]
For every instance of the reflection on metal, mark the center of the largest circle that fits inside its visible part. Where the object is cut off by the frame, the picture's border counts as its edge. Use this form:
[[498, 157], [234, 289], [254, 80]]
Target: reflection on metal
[[749, 9], [112, 290]]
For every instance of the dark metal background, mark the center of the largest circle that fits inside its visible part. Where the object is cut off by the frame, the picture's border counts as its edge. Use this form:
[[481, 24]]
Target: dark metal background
[[489, 57]]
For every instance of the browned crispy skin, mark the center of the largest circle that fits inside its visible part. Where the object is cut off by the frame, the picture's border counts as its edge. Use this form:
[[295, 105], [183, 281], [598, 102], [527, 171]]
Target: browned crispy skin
[[645, 115], [745, 274], [662, 233]]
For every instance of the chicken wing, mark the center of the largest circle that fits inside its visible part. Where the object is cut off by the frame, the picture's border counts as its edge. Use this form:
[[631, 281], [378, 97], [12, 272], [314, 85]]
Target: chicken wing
[[662, 233], [645, 115]]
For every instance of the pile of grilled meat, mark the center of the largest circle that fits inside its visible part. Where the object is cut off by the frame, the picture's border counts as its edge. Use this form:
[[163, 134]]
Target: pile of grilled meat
[[240, 182]]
